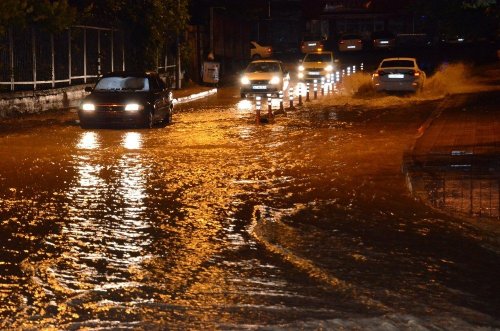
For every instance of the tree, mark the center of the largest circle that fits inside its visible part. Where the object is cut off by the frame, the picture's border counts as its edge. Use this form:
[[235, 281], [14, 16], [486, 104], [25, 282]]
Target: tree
[[52, 15], [149, 25]]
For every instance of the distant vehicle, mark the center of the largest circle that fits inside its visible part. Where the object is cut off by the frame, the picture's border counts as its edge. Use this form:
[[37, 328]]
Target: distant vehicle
[[350, 42], [258, 51], [312, 43], [138, 99], [398, 74], [454, 39], [264, 77], [316, 65], [383, 40]]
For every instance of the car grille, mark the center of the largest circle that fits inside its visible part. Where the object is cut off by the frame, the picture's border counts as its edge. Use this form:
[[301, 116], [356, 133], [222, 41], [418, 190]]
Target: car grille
[[259, 82], [315, 69], [110, 108]]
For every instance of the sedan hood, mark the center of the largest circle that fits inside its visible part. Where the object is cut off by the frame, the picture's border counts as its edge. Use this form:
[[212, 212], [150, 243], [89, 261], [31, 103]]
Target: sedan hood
[[116, 97]]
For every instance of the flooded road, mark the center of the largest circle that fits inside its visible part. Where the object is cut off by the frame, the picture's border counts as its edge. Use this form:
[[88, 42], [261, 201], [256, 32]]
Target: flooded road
[[215, 222]]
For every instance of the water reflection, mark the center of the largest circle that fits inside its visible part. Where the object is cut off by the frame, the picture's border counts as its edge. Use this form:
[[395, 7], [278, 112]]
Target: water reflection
[[88, 140], [103, 242]]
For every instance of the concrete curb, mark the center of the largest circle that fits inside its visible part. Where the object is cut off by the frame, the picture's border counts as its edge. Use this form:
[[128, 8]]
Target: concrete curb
[[195, 96]]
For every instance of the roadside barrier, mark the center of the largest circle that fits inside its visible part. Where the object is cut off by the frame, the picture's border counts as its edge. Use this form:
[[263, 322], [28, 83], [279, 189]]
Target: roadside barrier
[[257, 109]]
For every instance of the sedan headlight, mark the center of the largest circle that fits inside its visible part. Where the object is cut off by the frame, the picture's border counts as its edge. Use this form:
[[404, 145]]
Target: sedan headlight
[[88, 106], [244, 80], [329, 67], [301, 68], [275, 80], [133, 107]]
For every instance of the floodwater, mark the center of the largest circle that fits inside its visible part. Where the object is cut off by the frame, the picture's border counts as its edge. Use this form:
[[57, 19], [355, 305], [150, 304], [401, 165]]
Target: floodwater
[[216, 222]]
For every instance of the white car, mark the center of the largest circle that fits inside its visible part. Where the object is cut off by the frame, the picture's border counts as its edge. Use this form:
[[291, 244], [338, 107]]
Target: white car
[[316, 65], [398, 74], [312, 43], [350, 42], [264, 77], [383, 40], [258, 51]]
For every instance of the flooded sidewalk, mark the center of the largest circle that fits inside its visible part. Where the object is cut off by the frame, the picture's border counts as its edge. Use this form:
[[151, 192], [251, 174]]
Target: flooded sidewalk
[[454, 164]]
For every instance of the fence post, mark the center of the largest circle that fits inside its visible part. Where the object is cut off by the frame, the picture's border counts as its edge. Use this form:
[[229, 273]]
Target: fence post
[[112, 50], [11, 51], [123, 51], [33, 49], [84, 55], [69, 56], [52, 60]]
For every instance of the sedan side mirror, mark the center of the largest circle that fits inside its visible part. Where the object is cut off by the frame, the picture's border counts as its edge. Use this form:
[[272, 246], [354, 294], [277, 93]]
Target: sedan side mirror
[[88, 88]]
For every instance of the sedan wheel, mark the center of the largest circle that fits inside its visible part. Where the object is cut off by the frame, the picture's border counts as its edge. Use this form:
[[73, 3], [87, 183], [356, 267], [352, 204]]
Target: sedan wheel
[[168, 116], [148, 120]]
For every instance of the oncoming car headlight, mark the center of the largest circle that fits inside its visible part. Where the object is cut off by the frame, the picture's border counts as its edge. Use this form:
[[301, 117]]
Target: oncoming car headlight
[[301, 68], [244, 80], [133, 107], [329, 67], [275, 80], [88, 107]]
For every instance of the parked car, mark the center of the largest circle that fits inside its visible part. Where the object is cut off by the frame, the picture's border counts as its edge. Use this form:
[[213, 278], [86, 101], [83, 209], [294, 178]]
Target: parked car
[[316, 65], [398, 74], [258, 51], [312, 43], [127, 99], [263, 77], [383, 40], [350, 42]]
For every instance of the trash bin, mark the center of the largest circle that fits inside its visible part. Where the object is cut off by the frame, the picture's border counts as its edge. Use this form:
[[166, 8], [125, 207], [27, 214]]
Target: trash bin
[[211, 72]]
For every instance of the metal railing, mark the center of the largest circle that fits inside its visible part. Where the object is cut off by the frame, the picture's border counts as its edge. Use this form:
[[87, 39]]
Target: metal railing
[[33, 59], [478, 197]]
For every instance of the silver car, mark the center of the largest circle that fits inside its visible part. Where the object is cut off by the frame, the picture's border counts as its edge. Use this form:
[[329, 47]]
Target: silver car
[[398, 74]]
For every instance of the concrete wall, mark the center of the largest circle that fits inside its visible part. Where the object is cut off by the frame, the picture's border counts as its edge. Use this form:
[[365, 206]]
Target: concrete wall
[[30, 102]]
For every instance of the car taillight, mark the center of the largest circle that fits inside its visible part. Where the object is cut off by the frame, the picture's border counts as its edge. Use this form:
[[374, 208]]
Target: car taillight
[[269, 50], [416, 73], [359, 41], [341, 41]]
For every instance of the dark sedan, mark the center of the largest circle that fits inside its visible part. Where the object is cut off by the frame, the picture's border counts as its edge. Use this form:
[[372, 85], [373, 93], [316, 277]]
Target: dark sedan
[[138, 99]]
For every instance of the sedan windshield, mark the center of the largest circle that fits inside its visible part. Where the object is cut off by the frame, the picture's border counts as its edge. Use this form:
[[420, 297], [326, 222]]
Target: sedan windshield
[[123, 84], [398, 64], [263, 67], [312, 57]]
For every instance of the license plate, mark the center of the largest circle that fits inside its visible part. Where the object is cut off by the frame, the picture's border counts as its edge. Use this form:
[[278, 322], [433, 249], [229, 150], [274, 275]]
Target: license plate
[[259, 87], [351, 46], [315, 73], [384, 42], [396, 76], [313, 44]]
